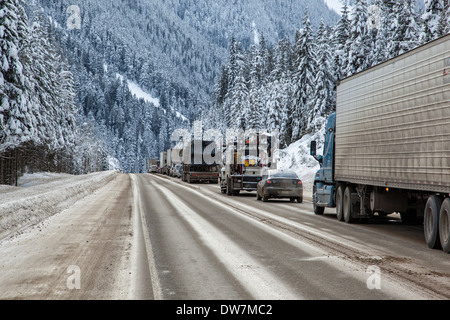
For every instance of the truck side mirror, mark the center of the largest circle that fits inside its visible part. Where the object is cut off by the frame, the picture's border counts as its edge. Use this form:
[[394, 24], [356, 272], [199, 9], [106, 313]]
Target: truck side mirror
[[313, 148]]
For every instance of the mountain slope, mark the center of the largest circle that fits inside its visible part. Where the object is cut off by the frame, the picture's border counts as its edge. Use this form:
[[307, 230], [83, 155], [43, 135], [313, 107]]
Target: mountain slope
[[172, 49]]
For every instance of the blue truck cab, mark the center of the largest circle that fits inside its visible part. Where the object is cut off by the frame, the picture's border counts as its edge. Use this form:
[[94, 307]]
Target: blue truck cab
[[324, 184]]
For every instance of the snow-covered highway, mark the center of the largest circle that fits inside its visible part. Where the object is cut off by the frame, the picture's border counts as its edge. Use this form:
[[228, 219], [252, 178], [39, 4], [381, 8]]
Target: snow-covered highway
[[144, 236], [206, 245]]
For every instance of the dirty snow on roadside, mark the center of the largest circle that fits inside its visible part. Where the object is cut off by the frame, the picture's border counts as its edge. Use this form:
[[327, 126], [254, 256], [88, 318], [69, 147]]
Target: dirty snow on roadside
[[41, 195]]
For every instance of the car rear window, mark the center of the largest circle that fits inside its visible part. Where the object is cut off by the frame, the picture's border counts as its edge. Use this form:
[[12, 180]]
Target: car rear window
[[289, 175]]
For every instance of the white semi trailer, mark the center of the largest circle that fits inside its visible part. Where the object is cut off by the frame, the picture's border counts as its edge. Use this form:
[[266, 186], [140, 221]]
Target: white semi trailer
[[387, 147]]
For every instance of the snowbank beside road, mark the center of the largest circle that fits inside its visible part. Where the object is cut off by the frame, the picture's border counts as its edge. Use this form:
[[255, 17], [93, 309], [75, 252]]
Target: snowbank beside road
[[42, 195], [296, 157]]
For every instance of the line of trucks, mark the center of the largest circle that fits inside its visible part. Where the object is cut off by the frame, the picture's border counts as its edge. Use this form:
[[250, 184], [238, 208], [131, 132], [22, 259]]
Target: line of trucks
[[248, 160], [386, 148]]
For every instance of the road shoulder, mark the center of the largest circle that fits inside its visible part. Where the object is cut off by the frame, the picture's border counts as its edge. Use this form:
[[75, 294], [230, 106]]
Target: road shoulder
[[83, 252]]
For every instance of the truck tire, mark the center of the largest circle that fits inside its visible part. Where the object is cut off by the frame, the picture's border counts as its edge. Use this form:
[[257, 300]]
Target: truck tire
[[431, 222], [347, 205], [318, 210], [229, 191], [340, 204], [444, 225]]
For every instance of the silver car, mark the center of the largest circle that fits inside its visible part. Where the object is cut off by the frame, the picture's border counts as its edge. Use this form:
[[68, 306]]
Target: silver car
[[280, 184]]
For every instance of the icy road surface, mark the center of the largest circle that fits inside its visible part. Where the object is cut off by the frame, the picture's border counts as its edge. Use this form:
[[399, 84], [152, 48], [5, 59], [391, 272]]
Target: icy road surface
[[119, 236]]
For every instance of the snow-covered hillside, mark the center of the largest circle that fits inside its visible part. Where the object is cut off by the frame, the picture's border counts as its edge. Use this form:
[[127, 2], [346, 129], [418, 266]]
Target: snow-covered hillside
[[335, 5], [139, 93]]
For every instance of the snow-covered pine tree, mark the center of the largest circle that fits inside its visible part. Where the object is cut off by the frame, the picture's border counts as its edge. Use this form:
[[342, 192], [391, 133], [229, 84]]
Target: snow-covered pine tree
[[221, 87], [407, 33], [431, 20], [382, 21], [236, 99], [69, 108], [17, 122], [285, 91], [235, 60], [324, 101], [341, 36], [255, 116], [360, 40], [445, 18], [266, 59], [239, 105], [163, 141], [42, 73], [304, 77], [275, 92]]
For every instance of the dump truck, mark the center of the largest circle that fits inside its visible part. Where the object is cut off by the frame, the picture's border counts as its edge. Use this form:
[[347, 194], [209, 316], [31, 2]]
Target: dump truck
[[387, 146], [246, 163], [195, 167]]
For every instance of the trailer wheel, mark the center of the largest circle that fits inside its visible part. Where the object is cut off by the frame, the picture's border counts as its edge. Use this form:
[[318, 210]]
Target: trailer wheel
[[340, 204], [347, 205], [229, 191], [444, 225], [431, 222]]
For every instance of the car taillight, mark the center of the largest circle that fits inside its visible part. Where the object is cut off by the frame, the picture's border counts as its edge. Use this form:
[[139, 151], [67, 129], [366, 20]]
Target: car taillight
[[299, 181], [268, 181]]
